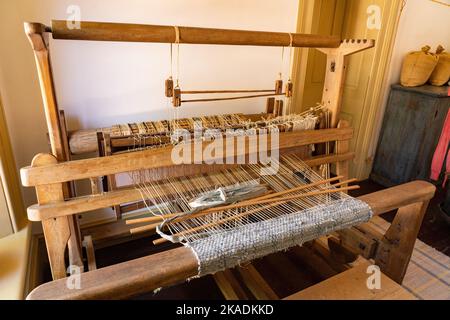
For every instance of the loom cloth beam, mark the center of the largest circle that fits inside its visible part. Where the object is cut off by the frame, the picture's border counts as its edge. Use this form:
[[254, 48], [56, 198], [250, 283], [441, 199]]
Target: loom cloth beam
[[174, 266]]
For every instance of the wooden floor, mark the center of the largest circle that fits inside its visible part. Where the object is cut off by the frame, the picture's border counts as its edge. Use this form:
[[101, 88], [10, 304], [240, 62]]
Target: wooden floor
[[428, 275]]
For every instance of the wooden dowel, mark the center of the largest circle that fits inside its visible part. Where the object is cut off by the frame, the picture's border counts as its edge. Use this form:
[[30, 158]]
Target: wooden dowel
[[344, 183], [145, 228], [233, 98], [272, 195], [259, 200], [104, 31], [222, 91], [269, 201]]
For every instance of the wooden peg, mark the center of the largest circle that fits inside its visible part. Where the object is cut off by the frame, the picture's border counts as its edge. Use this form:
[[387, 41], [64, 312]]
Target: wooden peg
[[270, 106], [278, 110], [176, 99], [288, 90], [279, 87], [169, 87]]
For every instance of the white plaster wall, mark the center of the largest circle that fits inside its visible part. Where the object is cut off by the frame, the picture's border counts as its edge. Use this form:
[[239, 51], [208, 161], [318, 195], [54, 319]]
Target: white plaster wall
[[101, 83]]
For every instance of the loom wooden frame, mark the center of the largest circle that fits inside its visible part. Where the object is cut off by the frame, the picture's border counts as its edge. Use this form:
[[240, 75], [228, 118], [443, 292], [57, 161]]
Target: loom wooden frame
[[51, 175], [390, 251]]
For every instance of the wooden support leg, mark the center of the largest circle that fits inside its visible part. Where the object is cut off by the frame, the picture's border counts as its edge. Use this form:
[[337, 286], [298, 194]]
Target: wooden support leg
[[38, 38], [57, 231], [111, 180], [270, 106], [229, 286], [396, 247], [90, 253], [340, 252], [256, 283], [74, 243], [342, 147]]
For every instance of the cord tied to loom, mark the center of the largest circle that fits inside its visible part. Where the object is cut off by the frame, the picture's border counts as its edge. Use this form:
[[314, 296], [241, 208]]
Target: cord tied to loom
[[176, 99], [171, 90], [289, 85]]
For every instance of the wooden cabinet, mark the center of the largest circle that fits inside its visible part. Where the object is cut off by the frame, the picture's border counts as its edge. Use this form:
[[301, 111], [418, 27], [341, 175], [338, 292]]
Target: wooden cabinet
[[411, 129]]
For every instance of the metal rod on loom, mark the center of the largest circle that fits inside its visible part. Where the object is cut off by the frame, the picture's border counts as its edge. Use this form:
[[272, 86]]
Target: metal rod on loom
[[168, 216], [222, 91], [233, 98], [269, 201]]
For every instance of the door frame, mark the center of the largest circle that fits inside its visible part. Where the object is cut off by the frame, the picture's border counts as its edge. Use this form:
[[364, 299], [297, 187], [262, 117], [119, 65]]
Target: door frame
[[374, 105], [10, 179]]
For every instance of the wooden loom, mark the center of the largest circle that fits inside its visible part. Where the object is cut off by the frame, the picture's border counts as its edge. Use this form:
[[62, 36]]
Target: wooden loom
[[57, 207]]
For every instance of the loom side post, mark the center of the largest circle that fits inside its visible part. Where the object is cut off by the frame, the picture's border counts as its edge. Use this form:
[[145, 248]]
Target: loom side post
[[38, 36], [57, 231], [342, 147], [396, 246], [336, 69]]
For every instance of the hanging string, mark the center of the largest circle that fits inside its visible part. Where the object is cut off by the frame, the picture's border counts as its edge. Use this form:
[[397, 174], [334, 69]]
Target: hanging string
[[281, 64], [171, 62], [177, 41], [177, 85], [290, 54], [291, 61], [177, 80], [170, 78]]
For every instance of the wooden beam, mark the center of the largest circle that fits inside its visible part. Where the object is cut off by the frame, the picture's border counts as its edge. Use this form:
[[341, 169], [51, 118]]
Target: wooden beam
[[229, 285], [395, 249], [57, 231], [90, 253], [400, 196], [256, 283], [160, 158], [126, 279], [343, 167], [38, 37], [104, 31], [351, 285]]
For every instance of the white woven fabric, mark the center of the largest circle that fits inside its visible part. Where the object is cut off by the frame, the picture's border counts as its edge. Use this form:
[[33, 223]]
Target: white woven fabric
[[229, 248]]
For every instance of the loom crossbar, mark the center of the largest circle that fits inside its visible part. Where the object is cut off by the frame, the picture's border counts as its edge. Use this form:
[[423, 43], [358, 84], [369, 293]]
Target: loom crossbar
[[105, 31], [157, 158]]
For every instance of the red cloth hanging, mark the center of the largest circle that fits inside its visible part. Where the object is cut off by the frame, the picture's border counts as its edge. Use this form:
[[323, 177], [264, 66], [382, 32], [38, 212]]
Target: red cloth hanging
[[442, 151]]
